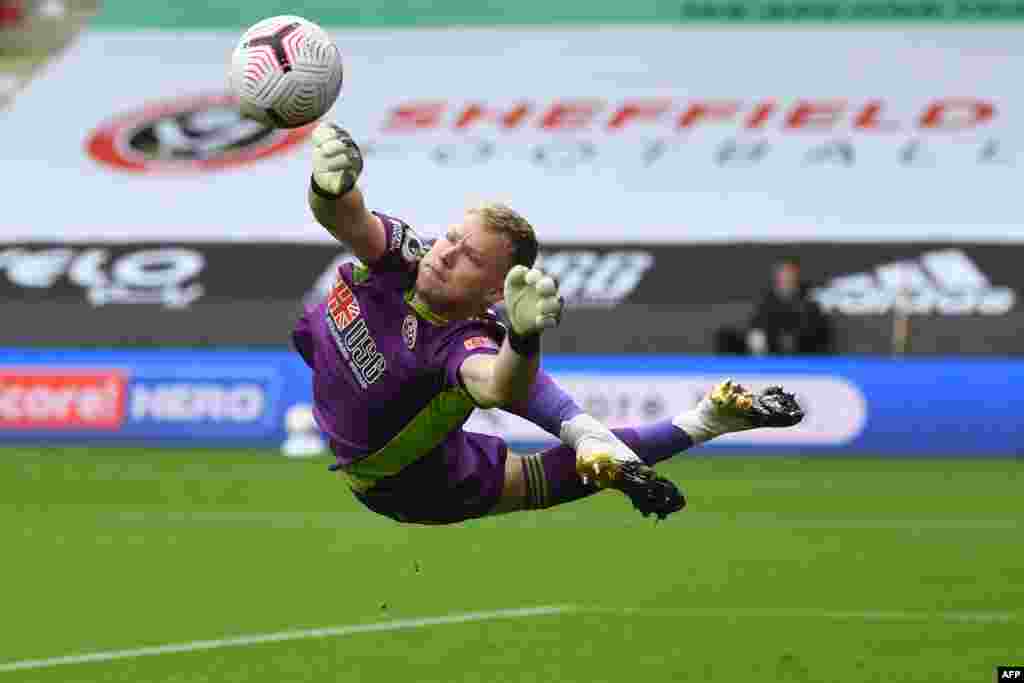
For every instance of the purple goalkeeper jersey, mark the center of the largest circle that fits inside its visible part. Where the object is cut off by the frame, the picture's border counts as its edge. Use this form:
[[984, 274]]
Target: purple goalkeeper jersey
[[386, 385]]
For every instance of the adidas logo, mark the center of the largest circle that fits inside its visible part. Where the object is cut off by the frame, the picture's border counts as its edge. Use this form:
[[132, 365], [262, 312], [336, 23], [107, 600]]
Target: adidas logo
[[944, 282]]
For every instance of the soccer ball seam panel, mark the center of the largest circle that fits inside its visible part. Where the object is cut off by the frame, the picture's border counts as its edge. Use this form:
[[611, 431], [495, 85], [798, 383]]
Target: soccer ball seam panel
[[286, 72]]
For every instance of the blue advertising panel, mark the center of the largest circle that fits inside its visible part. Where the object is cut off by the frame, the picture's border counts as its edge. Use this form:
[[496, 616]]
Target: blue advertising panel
[[855, 405], [152, 397]]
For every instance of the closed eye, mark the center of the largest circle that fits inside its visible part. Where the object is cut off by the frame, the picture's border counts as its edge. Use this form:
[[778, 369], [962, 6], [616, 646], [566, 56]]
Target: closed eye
[[476, 257]]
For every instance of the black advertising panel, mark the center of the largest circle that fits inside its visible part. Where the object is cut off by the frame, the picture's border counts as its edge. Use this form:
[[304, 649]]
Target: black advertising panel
[[649, 298]]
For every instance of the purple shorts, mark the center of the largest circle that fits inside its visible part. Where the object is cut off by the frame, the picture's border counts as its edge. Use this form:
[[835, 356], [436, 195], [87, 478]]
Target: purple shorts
[[461, 479]]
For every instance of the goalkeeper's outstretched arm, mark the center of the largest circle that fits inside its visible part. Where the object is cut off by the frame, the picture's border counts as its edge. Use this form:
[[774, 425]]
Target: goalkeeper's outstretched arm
[[533, 304], [335, 200]]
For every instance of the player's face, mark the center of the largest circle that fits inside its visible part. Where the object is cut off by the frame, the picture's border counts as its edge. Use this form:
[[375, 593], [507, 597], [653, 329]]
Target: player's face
[[464, 271]]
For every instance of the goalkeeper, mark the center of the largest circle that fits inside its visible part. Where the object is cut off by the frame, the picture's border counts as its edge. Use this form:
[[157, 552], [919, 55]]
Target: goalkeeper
[[406, 346]]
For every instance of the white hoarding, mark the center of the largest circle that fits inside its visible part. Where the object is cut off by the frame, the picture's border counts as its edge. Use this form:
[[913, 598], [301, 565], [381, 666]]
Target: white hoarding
[[630, 400], [618, 135]]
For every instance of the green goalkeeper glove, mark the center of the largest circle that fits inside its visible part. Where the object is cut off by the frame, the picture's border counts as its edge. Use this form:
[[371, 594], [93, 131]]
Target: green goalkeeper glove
[[337, 161], [532, 301]]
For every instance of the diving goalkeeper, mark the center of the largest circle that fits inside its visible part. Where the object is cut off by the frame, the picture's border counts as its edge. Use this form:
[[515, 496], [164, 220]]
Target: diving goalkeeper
[[405, 347]]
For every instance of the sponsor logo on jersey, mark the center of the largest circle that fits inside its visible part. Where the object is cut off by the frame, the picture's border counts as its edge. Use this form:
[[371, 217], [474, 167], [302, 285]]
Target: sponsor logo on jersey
[[352, 335], [360, 351], [187, 134], [413, 247], [404, 240], [944, 282], [342, 306], [397, 232], [481, 342], [62, 399], [409, 329]]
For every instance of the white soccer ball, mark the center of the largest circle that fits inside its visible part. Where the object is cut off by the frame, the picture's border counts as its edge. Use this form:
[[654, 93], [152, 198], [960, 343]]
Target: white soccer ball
[[286, 72]]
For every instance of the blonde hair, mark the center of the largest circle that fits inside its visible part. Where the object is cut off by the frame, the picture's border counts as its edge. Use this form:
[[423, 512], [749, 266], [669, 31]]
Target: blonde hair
[[508, 222]]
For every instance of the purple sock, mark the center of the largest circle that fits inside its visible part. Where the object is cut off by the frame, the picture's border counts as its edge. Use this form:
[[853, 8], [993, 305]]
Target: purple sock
[[551, 477], [547, 406], [655, 442]]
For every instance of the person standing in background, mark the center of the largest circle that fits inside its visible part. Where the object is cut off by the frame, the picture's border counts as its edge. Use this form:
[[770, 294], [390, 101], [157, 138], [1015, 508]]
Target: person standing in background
[[786, 320]]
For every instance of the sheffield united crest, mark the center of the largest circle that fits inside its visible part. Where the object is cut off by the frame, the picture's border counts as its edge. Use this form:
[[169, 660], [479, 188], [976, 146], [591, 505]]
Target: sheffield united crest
[[409, 327]]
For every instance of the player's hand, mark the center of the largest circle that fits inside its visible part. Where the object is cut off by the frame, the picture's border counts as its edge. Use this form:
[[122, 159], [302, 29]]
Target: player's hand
[[532, 300], [337, 161]]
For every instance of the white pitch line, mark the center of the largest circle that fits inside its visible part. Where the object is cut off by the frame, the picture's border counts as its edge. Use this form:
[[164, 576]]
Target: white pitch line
[[257, 639], [521, 613], [808, 613]]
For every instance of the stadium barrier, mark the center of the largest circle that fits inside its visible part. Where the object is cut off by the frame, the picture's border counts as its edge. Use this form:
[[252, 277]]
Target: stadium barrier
[[962, 297], [913, 407]]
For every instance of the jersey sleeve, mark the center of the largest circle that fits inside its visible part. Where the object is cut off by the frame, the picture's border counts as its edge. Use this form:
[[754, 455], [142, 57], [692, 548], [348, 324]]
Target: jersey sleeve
[[467, 340], [403, 247]]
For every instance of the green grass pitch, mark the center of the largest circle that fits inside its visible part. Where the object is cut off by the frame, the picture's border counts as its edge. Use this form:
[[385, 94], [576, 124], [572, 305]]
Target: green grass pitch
[[781, 569]]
